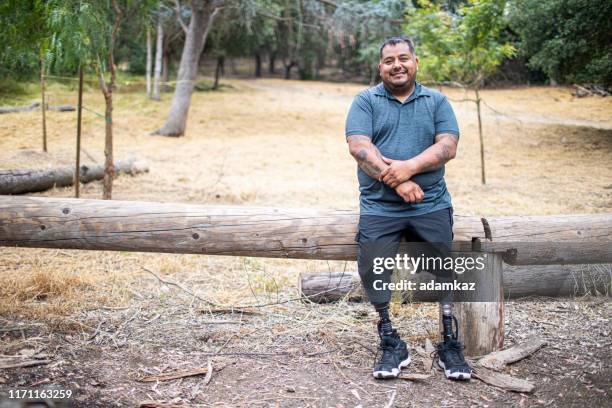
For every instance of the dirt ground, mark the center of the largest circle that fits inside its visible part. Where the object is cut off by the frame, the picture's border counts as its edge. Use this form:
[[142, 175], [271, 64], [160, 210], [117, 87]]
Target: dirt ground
[[103, 322]]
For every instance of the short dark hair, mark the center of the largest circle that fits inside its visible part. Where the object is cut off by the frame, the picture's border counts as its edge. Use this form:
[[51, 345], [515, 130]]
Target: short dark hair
[[397, 40]]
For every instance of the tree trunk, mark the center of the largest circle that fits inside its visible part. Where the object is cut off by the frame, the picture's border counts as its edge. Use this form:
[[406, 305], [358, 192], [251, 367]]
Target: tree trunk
[[271, 63], [288, 69], [481, 137], [481, 312], [199, 26], [43, 110], [32, 181], [149, 61], [257, 65], [109, 168], [77, 170], [219, 70], [165, 70], [159, 46]]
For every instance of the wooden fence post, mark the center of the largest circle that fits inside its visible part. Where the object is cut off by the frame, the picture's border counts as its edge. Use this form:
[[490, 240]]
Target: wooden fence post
[[481, 313]]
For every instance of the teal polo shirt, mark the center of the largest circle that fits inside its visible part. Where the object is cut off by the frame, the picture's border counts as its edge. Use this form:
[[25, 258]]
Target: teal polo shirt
[[401, 131]]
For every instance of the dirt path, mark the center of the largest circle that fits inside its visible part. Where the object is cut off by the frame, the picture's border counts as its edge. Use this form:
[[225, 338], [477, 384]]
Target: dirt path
[[300, 356]]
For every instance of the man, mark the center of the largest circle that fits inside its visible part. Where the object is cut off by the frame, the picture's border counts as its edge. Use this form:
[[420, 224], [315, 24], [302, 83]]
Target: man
[[402, 134]]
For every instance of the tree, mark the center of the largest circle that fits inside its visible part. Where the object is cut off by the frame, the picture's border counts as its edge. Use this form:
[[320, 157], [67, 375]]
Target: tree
[[463, 48], [575, 48], [159, 50], [84, 33], [203, 14], [22, 36]]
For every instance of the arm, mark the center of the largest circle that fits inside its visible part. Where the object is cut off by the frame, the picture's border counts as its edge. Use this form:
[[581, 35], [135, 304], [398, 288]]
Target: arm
[[437, 155], [371, 161], [367, 155]]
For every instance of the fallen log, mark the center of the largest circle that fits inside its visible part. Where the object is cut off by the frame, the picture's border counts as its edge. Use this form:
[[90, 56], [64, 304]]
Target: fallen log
[[29, 181], [42, 222], [244, 231], [551, 240], [15, 109], [63, 108], [34, 105], [518, 282]]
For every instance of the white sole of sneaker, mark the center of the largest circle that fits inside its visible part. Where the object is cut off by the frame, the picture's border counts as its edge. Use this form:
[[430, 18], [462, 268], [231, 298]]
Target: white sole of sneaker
[[394, 373], [454, 376]]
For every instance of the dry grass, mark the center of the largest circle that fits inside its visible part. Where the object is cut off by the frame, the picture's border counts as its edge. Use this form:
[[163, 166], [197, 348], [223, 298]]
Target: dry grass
[[280, 143]]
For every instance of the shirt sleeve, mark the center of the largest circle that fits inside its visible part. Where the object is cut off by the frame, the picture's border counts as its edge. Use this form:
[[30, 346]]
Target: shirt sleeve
[[359, 118], [445, 119]]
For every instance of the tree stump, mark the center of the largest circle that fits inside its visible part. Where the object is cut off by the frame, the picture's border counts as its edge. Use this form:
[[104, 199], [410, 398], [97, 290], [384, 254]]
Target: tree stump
[[481, 313]]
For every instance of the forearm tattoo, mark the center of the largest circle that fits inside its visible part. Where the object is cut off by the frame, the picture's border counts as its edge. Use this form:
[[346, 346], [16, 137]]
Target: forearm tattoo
[[441, 153], [371, 167]]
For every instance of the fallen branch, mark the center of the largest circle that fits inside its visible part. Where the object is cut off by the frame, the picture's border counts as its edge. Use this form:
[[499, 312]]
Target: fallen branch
[[175, 375], [503, 381], [414, 377], [157, 404], [230, 310], [499, 359], [208, 377], [29, 363]]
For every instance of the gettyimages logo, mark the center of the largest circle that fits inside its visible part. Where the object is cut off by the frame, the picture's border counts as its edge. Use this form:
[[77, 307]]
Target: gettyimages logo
[[405, 262]]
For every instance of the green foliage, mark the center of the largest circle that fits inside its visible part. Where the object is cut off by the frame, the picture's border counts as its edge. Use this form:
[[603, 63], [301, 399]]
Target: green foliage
[[361, 26], [79, 32], [567, 39], [244, 27], [21, 35], [464, 48]]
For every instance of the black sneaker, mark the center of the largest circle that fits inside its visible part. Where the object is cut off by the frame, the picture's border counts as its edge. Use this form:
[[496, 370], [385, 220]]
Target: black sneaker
[[394, 357], [451, 360], [450, 355]]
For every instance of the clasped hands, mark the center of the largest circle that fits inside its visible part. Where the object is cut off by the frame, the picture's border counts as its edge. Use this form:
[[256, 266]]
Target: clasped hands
[[398, 176]]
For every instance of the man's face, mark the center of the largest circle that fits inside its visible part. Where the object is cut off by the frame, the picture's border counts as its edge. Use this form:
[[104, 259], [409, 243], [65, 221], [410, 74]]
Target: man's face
[[398, 66]]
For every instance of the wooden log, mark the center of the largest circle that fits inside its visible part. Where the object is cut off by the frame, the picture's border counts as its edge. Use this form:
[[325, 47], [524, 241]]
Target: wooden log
[[15, 109], [498, 360], [552, 240], [557, 280], [519, 282], [63, 108], [29, 181], [330, 286], [503, 381], [481, 312], [293, 233], [181, 228]]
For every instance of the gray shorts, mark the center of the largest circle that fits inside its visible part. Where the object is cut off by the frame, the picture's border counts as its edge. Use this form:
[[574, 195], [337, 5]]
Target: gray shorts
[[379, 236]]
